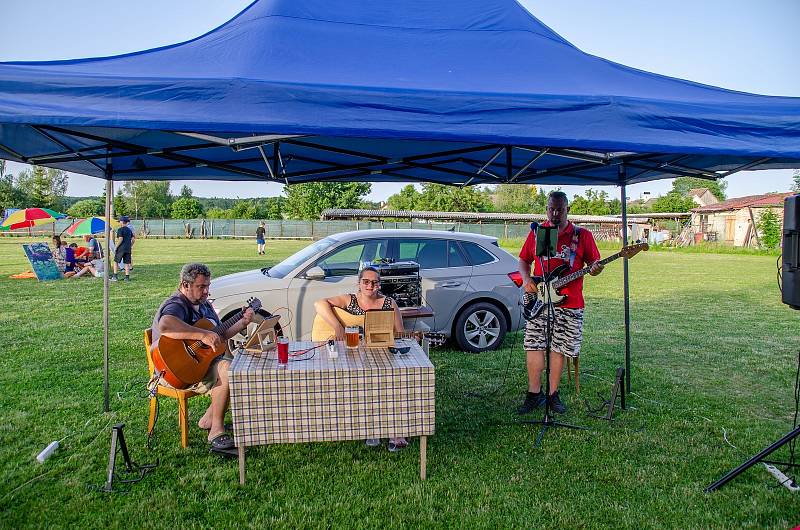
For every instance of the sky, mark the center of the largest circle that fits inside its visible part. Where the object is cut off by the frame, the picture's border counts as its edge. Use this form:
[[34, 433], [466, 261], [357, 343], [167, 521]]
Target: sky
[[737, 44]]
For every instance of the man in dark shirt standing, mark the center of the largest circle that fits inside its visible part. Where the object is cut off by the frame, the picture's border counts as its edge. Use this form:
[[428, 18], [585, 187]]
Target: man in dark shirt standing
[[260, 232], [176, 318], [124, 243]]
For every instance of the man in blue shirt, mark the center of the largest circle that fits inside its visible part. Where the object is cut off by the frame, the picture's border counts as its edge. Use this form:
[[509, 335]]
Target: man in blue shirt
[[176, 318]]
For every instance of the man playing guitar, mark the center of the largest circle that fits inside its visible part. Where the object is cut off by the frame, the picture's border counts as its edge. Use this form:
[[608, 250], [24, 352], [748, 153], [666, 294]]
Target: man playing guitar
[[576, 246], [175, 318]]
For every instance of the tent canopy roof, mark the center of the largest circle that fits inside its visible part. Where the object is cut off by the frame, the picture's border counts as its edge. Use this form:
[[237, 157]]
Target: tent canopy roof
[[454, 91]]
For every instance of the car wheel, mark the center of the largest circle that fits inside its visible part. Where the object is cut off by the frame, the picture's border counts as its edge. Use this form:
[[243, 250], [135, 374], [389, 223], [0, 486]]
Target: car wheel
[[238, 340], [480, 327]]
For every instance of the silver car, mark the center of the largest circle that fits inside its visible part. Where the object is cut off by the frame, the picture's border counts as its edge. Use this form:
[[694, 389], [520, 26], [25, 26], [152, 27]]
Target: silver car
[[470, 283]]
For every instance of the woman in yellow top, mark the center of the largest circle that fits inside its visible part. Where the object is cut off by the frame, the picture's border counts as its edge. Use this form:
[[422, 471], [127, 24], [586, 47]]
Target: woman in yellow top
[[366, 297]]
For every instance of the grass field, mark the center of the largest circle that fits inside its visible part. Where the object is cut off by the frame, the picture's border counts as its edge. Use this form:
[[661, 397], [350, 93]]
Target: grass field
[[714, 360]]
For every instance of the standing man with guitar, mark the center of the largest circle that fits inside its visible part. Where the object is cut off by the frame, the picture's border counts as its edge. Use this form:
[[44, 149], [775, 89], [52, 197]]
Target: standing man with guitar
[[576, 247], [176, 319]]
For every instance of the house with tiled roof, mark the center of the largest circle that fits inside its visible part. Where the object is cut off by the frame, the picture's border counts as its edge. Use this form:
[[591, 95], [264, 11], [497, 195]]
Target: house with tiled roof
[[732, 221], [702, 196]]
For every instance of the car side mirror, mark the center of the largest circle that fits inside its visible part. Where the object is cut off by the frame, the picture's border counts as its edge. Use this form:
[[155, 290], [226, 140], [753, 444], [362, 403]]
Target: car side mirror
[[315, 273]]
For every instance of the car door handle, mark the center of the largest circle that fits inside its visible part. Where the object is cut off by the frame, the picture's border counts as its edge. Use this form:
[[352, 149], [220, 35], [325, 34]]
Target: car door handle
[[448, 284]]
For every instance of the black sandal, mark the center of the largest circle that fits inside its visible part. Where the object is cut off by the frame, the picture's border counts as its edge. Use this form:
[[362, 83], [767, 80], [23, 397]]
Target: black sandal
[[222, 442]]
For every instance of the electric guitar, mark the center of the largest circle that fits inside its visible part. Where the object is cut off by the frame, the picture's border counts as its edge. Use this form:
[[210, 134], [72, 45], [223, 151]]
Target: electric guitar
[[322, 331], [183, 363], [533, 303]]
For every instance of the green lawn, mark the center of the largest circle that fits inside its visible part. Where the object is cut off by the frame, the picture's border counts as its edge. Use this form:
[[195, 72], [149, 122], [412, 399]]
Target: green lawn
[[714, 355]]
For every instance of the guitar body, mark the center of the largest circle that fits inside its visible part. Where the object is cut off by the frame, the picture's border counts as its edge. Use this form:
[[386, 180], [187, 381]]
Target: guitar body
[[321, 330], [181, 366], [537, 300], [534, 303]]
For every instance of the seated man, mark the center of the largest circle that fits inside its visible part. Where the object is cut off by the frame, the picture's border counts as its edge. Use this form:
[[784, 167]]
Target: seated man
[[175, 319]]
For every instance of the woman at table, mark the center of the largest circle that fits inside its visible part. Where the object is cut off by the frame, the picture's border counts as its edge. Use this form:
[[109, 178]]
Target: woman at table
[[367, 296]]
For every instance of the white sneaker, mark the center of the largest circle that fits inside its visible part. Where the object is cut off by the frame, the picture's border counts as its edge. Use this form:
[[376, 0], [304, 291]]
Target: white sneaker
[[372, 442]]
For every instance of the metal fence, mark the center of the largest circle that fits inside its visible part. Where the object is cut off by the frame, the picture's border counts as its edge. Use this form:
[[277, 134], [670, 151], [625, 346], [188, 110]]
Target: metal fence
[[286, 229]]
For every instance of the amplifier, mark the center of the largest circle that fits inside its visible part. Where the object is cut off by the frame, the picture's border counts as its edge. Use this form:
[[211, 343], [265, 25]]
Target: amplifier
[[401, 281]]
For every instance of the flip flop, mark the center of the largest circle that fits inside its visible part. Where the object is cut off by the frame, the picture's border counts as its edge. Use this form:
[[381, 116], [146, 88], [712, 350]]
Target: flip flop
[[222, 442]]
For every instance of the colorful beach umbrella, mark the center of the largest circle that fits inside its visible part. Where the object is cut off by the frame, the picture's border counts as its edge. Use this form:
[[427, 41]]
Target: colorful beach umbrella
[[29, 217], [92, 225]]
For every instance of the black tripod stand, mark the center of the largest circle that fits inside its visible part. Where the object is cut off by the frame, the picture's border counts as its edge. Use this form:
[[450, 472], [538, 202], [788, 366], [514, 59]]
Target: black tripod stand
[[546, 238]]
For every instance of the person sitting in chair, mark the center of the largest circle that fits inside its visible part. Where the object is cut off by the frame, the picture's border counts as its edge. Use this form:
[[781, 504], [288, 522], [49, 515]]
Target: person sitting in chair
[[175, 318], [366, 297]]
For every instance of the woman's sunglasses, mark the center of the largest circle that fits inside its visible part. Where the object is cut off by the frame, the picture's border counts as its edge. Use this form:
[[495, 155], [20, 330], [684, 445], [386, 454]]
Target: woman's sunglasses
[[374, 283]]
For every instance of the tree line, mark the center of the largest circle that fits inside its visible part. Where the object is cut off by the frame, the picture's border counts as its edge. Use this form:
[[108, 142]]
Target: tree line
[[45, 187]]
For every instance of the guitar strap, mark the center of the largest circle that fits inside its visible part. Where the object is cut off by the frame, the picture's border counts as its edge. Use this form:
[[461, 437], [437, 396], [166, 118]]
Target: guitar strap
[[573, 249]]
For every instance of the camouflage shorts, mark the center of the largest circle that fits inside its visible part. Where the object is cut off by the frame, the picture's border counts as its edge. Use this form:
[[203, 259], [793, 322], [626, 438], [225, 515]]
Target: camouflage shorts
[[566, 328]]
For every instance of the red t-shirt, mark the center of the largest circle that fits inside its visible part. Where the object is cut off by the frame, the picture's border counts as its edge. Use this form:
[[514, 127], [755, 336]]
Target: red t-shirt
[[585, 253]]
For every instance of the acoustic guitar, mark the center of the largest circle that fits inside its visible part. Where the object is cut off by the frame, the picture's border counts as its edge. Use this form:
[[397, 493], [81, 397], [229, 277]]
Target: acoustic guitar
[[322, 331], [533, 303], [183, 363]]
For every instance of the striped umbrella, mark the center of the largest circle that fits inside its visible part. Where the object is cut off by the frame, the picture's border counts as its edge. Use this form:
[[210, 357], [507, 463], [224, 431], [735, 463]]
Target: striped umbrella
[[92, 225], [30, 217]]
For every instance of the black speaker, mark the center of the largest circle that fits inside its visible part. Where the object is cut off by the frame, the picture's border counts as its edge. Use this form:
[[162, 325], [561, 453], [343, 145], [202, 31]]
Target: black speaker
[[791, 252]]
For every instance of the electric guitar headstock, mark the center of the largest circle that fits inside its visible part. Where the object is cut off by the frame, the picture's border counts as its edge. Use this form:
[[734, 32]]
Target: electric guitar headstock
[[631, 250]]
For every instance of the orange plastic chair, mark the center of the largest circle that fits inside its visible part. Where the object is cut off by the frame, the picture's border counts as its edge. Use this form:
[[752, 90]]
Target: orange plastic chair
[[181, 395]]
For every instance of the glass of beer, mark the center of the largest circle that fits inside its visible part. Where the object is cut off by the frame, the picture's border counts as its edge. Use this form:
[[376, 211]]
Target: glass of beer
[[351, 336]]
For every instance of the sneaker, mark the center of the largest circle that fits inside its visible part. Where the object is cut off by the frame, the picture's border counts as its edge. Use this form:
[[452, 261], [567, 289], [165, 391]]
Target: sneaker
[[396, 444], [372, 442], [533, 400], [112, 278], [127, 278], [556, 405]]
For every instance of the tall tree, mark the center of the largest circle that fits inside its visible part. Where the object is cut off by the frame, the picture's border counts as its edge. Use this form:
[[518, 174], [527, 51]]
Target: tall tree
[[11, 195], [186, 192], [87, 208], [594, 203], [146, 198], [406, 199], [442, 198], [673, 202], [45, 187], [796, 181], [186, 208], [515, 198], [682, 185], [306, 201]]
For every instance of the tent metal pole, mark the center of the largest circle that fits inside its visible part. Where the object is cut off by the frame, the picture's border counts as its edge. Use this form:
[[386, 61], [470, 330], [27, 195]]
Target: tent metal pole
[[626, 291], [109, 172]]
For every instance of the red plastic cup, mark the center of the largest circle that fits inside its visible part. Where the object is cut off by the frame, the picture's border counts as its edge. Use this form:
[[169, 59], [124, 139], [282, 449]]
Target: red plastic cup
[[283, 350]]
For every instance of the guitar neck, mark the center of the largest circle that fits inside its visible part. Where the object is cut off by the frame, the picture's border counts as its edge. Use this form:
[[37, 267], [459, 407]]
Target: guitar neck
[[561, 282], [225, 326]]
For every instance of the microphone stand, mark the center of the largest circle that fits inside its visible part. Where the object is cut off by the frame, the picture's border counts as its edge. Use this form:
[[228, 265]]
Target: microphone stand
[[547, 420]]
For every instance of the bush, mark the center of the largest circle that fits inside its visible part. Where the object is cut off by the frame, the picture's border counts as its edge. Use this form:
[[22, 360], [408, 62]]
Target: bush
[[769, 225]]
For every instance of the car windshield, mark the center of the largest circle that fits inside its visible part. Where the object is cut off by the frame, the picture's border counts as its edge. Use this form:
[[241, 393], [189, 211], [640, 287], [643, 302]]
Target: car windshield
[[298, 258]]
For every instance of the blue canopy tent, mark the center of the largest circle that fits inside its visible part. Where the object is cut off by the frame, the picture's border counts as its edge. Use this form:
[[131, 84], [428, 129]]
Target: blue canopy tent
[[458, 92]]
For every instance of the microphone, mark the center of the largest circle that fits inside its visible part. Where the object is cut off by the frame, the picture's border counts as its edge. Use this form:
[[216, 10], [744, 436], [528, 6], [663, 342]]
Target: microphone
[[534, 226]]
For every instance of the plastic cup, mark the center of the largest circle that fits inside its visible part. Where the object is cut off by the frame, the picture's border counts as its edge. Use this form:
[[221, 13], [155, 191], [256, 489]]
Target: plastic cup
[[283, 350], [351, 337]]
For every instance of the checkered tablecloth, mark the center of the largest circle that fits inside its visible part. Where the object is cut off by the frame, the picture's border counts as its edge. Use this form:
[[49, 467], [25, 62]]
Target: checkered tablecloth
[[365, 393]]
